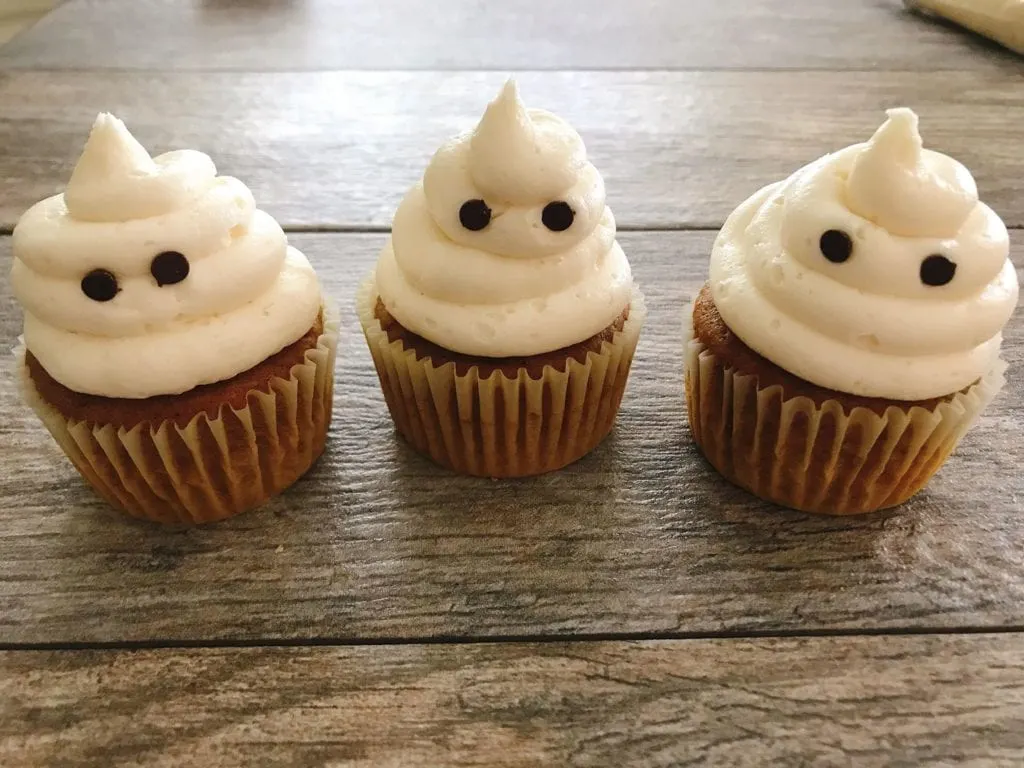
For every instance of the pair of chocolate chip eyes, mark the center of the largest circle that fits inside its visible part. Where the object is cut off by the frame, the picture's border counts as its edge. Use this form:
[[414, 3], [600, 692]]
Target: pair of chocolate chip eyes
[[475, 215], [936, 270], [167, 268]]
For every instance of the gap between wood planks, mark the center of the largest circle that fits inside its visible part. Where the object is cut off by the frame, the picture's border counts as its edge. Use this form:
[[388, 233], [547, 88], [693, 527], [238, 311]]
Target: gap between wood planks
[[598, 637]]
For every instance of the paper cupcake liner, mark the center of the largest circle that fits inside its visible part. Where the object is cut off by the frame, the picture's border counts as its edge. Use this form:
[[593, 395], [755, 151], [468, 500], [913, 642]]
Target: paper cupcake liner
[[212, 468], [500, 426], [821, 458]]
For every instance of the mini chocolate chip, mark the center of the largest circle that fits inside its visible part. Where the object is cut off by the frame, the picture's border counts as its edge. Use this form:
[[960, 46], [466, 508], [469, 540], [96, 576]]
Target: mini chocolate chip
[[474, 215], [836, 246], [169, 267], [937, 270], [100, 285], [557, 216]]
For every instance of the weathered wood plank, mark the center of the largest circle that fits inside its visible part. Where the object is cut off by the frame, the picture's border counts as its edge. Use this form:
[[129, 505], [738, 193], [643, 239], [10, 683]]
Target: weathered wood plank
[[639, 537], [364, 34], [340, 149], [875, 701]]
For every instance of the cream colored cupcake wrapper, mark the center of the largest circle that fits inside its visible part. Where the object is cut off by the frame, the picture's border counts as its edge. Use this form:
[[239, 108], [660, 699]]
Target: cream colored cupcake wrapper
[[500, 426], [209, 469], [819, 458]]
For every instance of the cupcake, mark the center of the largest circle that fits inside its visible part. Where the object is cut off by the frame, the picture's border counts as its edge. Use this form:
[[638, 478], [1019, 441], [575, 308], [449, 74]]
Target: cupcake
[[849, 333], [502, 315], [176, 347]]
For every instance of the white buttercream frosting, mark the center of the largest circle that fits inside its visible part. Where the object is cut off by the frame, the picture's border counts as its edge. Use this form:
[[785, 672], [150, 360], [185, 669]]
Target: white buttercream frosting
[[514, 287], [247, 295], [871, 324]]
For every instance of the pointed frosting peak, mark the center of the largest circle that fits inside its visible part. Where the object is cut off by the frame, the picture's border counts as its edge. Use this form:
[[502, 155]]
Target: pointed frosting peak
[[506, 109], [505, 121], [907, 189], [115, 178], [899, 137], [110, 152], [523, 156]]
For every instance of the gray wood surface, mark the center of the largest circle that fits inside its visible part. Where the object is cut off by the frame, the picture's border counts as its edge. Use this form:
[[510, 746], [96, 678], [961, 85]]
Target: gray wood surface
[[516, 34], [329, 110], [867, 701], [639, 537], [339, 149]]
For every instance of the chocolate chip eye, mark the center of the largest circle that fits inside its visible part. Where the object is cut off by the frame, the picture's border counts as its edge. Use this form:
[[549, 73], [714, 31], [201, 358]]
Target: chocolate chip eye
[[937, 270], [100, 285], [836, 246], [169, 267], [474, 215], [557, 216]]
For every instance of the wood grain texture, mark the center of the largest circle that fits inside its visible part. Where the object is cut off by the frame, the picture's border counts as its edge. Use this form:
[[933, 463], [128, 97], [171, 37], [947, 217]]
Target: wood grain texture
[[340, 149], [826, 702], [641, 536], [516, 34]]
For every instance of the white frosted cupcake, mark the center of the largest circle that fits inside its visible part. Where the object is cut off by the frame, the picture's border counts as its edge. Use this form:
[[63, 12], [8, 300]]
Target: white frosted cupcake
[[849, 334], [175, 345], [502, 315]]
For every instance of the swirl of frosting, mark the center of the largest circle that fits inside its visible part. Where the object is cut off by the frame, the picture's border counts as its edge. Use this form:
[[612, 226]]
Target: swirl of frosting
[[506, 247], [236, 292], [874, 270]]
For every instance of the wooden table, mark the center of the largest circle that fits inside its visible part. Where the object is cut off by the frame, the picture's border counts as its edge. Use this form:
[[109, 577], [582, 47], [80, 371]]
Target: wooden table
[[633, 609]]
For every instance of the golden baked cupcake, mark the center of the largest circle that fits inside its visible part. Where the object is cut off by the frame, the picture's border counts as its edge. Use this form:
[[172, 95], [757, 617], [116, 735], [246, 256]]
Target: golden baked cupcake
[[502, 315], [849, 333], [175, 346]]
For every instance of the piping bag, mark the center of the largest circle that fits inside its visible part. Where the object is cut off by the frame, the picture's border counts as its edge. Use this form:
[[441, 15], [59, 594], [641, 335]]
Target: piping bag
[[999, 20]]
